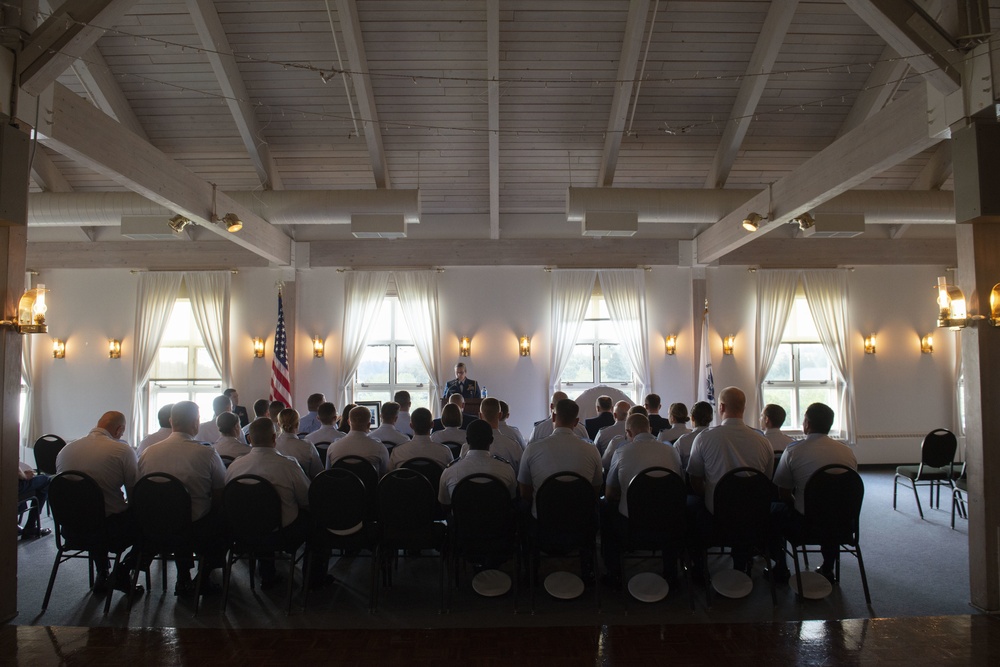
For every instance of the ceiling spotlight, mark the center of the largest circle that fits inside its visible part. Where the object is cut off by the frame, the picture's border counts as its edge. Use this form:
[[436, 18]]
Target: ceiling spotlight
[[752, 221], [178, 223], [232, 222], [805, 221]]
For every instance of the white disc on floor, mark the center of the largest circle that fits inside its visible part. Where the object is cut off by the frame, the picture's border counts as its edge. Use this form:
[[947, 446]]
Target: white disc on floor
[[648, 587], [564, 585], [814, 585], [491, 583], [732, 584]]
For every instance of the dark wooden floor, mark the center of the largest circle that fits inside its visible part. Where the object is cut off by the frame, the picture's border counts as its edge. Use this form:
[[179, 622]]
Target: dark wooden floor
[[937, 640]]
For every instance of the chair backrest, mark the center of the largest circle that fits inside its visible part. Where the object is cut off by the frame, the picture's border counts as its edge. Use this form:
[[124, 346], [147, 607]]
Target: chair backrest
[[656, 499], [455, 447], [162, 509], [406, 500], [47, 448], [338, 500], [226, 460], [429, 468], [77, 508], [482, 513], [938, 448], [833, 498], [743, 504], [321, 448], [366, 472], [566, 508], [251, 508]]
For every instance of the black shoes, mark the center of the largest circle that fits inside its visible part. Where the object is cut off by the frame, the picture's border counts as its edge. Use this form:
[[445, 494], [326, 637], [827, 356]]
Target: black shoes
[[28, 534], [826, 572]]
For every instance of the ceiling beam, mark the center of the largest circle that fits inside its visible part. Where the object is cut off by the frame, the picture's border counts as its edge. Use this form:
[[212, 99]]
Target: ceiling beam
[[350, 27], [814, 253], [102, 88], [881, 85], [46, 174], [894, 134], [152, 255], [220, 55], [916, 37], [63, 37], [82, 132], [635, 26], [493, 112], [769, 42]]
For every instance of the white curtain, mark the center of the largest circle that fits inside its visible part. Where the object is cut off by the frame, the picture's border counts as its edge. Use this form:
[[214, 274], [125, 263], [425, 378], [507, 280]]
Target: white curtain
[[571, 293], [364, 292], [418, 299], [828, 302], [31, 424], [209, 294], [154, 302], [625, 294], [775, 298]]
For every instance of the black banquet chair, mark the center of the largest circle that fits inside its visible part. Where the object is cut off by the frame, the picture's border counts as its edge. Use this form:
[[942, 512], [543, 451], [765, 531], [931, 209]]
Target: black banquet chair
[[936, 467], [833, 498], [367, 473], [47, 448], [959, 496]]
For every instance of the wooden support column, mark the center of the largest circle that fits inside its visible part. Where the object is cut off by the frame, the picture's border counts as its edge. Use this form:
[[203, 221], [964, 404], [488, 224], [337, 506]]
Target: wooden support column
[[13, 244]]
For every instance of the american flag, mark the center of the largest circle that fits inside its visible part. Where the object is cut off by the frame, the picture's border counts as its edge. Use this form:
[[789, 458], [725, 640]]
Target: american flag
[[281, 384]]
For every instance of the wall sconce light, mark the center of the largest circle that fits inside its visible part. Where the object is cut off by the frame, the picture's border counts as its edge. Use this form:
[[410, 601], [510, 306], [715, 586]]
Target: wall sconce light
[[178, 223], [995, 305], [951, 305], [31, 311], [927, 344], [114, 348], [752, 222], [671, 344], [58, 349], [258, 348], [728, 343], [870, 343], [464, 346], [317, 347], [524, 343]]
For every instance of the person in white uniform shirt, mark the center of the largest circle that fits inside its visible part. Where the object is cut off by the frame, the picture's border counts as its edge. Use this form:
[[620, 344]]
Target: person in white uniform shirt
[[357, 442], [209, 431], [229, 443], [702, 414], [477, 460], [504, 447], [403, 423], [421, 446], [387, 433], [622, 439], [512, 432], [163, 417], [289, 444], [328, 431], [678, 418], [259, 410], [771, 420], [451, 420], [310, 422], [606, 434], [544, 428]]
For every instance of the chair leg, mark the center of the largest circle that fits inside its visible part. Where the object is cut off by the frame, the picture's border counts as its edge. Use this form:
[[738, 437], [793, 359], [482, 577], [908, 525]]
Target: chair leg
[[597, 579], [134, 581], [917, 497], [372, 591], [200, 560], [895, 481], [52, 580], [111, 584], [227, 573], [291, 582], [864, 576], [798, 571], [307, 564]]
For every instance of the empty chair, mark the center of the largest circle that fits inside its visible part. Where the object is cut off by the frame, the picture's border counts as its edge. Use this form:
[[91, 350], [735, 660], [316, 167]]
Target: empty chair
[[833, 498], [958, 496], [936, 467], [47, 448]]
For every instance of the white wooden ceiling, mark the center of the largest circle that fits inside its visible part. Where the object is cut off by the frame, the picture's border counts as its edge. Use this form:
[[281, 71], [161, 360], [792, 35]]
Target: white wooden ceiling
[[417, 114]]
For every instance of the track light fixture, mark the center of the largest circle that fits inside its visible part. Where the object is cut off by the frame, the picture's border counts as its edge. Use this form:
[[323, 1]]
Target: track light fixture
[[178, 223], [752, 222], [232, 222], [805, 221]]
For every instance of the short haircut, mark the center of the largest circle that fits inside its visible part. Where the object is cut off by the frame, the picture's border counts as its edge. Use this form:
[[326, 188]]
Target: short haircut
[[401, 397], [679, 413], [652, 401], [184, 416], [621, 410], [637, 423], [451, 415], [567, 411], [775, 414], [820, 416], [702, 413], [229, 392], [288, 420], [111, 420], [360, 418], [222, 403], [227, 423], [479, 435], [261, 432], [163, 416], [457, 399], [490, 409], [273, 408], [326, 413], [637, 410], [558, 396], [734, 399], [605, 403], [260, 407], [460, 364], [504, 410], [421, 420], [314, 401], [390, 411]]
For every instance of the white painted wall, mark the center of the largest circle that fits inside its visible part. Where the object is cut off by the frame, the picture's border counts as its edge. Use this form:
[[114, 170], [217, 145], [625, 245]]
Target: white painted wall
[[900, 392]]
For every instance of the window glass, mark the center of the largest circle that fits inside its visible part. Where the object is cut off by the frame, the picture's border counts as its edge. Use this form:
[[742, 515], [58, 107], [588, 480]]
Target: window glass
[[374, 366], [597, 357], [390, 362], [615, 366], [580, 367]]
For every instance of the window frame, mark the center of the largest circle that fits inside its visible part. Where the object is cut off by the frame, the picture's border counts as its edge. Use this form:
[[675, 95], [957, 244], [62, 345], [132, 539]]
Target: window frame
[[597, 313]]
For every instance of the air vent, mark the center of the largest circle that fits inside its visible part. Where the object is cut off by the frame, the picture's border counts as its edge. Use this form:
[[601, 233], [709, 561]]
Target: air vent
[[378, 226], [610, 223]]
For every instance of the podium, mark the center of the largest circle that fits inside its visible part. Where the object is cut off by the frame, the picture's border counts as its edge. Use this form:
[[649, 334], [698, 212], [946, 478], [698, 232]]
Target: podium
[[471, 406]]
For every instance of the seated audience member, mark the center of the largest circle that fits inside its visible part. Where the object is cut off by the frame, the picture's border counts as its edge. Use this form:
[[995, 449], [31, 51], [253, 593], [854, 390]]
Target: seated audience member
[[357, 442], [289, 444], [642, 451], [112, 464], [387, 433], [512, 432], [544, 428], [452, 431], [457, 400], [477, 460], [702, 414], [260, 407], [163, 417], [503, 447], [208, 432], [239, 410], [286, 476], [798, 463], [678, 418], [656, 422], [328, 431], [310, 422], [421, 445], [229, 443], [403, 422], [620, 440], [32, 485], [274, 408], [604, 417], [345, 419], [771, 420], [606, 434]]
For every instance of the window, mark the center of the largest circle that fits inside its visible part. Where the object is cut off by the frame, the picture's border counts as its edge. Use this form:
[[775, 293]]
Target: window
[[183, 369], [597, 356], [801, 373], [390, 362]]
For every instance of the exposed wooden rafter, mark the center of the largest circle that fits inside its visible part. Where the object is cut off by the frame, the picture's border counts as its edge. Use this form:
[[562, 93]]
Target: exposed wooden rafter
[[46, 174], [104, 91], [153, 255], [881, 85], [811, 253]]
